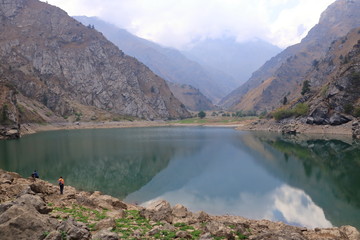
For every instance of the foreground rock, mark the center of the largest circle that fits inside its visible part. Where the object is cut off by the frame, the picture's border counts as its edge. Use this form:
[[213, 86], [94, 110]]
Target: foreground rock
[[35, 210]]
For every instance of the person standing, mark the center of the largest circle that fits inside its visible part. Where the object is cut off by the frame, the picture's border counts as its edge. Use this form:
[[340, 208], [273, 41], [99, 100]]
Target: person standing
[[61, 182], [34, 175]]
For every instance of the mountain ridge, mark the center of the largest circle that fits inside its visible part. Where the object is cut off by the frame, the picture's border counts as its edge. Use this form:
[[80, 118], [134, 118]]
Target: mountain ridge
[[282, 75], [168, 63], [71, 69]]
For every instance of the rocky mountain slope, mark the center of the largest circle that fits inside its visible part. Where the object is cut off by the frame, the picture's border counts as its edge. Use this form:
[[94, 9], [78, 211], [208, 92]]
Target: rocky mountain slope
[[34, 209], [191, 97], [168, 63], [73, 70], [283, 75], [334, 93]]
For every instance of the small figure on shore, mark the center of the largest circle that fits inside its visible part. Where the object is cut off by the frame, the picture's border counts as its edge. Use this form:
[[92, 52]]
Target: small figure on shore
[[35, 175], [61, 184]]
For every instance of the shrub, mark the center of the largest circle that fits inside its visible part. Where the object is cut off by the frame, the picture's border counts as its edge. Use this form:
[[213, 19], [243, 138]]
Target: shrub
[[282, 114], [305, 87], [300, 109], [201, 114], [348, 108], [356, 112]]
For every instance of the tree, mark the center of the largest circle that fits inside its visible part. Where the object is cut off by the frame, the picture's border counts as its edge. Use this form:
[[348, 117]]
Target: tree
[[305, 87], [285, 100], [201, 114]]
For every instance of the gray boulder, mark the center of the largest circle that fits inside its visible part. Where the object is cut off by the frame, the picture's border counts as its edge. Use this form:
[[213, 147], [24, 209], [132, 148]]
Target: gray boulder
[[158, 211], [338, 119]]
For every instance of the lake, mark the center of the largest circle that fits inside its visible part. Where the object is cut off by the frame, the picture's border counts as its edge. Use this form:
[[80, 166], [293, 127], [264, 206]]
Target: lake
[[303, 181]]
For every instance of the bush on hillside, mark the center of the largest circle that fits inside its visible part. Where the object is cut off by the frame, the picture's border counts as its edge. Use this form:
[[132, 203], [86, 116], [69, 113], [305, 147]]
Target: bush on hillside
[[300, 109]]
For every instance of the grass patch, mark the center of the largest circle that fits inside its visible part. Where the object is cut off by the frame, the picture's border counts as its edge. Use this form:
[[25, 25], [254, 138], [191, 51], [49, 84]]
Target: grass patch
[[83, 214], [300, 109]]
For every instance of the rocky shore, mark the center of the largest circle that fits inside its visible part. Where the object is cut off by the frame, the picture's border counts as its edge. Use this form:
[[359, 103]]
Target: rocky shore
[[34, 209], [296, 126]]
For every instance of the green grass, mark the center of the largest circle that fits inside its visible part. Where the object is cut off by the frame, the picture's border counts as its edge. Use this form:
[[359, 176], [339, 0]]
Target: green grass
[[83, 214]]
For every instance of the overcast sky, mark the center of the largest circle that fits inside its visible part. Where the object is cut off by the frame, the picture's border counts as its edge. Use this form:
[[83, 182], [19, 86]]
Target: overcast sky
[[179, 23]]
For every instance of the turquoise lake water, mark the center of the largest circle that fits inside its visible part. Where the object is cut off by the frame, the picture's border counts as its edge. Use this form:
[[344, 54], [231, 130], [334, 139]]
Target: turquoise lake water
[[303, 181]]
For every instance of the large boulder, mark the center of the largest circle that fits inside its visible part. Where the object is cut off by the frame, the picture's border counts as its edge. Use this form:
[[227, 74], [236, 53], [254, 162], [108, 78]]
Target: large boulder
[[25, 222], [104, 201], [158, 211], [33, 201], [338, 119], [74, 230]]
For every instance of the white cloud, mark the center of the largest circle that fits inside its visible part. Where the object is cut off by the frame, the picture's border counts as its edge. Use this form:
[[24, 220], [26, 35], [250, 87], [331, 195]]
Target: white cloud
[[179, 23]]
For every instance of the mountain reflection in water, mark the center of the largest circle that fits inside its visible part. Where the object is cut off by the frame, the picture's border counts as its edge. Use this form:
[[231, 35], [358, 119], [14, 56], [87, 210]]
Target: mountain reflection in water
[[297, 180]]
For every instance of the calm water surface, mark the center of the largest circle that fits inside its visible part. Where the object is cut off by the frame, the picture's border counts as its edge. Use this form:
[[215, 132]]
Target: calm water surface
[[298, 180]]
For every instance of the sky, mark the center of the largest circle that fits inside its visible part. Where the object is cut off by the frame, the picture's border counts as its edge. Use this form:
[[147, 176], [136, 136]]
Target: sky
[[182, 23]]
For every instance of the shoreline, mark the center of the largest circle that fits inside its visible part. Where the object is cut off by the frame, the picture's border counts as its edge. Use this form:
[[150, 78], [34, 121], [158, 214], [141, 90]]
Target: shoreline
[[246, 125], [27, 129], [26, 203]]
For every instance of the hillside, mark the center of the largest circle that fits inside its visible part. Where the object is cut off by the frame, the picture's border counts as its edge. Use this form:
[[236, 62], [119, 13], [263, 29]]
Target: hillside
[[168, 63], [73, 71], [284, 74], [191, 97], [334, 94]]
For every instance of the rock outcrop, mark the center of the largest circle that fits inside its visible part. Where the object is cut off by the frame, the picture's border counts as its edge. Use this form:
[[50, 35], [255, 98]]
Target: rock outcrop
[[49, 57], [33, 209]]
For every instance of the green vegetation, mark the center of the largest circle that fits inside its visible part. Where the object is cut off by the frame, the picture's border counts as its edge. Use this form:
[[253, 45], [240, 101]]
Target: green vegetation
[[4, 117], [300, 109], [201, 114], [132, 223], [285, 100], [324, 90], [82, 214], [355, 78], [356, 112], [78, 116], [350, 109], [306, 87]]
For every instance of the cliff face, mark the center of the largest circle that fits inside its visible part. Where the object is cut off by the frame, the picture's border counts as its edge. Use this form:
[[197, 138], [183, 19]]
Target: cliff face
[[69, 68], [168, 63], [283, 75], [334, 96]]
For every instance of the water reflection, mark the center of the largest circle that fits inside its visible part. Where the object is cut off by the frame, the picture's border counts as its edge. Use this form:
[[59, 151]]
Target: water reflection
[[115, 161], [326, 169], [301, 181], [225, 179]]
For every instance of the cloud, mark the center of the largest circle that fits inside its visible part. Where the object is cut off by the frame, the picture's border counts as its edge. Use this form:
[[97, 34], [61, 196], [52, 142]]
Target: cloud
[[180, 23]]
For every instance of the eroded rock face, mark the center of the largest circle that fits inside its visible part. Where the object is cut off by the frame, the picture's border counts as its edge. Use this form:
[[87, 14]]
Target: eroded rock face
[[52, 58]]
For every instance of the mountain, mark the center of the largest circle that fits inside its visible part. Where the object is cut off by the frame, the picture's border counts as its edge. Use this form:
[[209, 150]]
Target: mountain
[[168, 63], [191, 97], [334, 92], [73, 70], [283, 75], [239, 60]]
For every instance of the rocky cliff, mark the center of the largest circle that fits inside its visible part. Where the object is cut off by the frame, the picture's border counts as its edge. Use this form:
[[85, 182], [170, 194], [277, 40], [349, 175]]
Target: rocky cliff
[[283, 75], [34, 209], [168, 63], [73, 70]]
